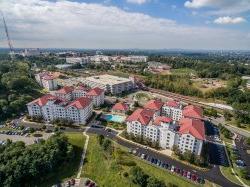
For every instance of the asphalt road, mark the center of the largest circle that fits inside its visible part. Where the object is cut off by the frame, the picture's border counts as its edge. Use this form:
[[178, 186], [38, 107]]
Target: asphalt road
[[213, 175], [242, 148]]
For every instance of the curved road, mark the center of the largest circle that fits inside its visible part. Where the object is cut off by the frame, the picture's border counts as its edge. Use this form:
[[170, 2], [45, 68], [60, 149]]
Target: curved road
[[214, 175]]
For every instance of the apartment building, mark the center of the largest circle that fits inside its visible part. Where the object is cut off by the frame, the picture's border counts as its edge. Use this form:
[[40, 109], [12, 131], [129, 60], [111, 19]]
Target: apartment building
[[47, 80], [97, 95], [154, 105], [51, 107], [172, 109], [191, 135], [72, 93], [187, 134], [111, 84], [192, 111]]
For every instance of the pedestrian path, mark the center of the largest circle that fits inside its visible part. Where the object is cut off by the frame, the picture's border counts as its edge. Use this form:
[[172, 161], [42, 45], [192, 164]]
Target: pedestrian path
[[83, 153]]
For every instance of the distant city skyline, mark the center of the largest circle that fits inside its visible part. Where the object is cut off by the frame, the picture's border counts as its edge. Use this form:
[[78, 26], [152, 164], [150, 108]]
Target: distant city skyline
[[126, 24]]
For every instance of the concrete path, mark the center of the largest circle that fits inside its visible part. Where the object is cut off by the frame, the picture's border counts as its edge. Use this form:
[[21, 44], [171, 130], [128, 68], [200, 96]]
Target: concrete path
[[83, 153]]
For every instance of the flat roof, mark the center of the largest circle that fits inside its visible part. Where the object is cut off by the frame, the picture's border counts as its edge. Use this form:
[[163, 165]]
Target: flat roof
[[108, 79]]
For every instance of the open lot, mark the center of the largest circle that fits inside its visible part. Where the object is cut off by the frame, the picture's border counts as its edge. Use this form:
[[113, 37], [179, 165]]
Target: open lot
[[207, 84]]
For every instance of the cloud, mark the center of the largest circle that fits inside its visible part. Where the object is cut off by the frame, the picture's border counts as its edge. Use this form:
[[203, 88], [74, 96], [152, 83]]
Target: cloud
[[220, 7], [229, 20], [68, 24], [139, 2]]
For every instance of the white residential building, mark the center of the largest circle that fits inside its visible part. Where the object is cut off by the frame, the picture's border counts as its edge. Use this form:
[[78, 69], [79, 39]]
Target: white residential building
[[71, 93], [48, 80], [173, 110], [133, 58], [73, 60], [189, 134], [111, 84], [97, 95], [51, 107]]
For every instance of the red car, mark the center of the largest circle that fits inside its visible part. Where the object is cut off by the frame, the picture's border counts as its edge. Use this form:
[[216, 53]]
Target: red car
[[184, 174], [194, 177]]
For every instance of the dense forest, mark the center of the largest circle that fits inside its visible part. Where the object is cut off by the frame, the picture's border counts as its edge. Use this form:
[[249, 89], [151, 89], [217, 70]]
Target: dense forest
[[17, 87], [22, 165]]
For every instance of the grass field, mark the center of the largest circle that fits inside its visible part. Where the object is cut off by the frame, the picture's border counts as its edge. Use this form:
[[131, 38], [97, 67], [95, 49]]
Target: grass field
[[68, 170], [183, 71], [106, 171]]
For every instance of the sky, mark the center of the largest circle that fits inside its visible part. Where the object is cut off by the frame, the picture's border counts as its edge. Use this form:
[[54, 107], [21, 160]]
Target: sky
[[126, 24]]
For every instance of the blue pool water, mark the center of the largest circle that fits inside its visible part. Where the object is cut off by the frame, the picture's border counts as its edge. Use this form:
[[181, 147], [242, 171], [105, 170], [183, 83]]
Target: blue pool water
[[114, 118]]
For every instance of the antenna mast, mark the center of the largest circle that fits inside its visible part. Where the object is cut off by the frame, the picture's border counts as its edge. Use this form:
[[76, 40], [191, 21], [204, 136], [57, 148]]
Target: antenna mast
[[8, 37]]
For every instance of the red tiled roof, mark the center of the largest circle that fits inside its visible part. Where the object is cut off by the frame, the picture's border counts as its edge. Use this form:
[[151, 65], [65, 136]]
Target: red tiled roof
[[48, 77], [65, 90], [154, 104], [43, 100], [142, 115], [163, 119], [192, 111], [195, 127], [81, 88], [173, 104], [95, 91], [80, 103], [120, 106]]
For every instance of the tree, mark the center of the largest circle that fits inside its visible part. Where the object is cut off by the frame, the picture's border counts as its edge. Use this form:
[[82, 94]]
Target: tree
[[100, 139], [107, 144], [154, 182], [138, 176]]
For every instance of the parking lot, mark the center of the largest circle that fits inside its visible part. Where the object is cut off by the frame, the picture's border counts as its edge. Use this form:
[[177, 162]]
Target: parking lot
[[212, 132], [28, 140], [217, 155], [169, 167], [17, 133], [240, 150]]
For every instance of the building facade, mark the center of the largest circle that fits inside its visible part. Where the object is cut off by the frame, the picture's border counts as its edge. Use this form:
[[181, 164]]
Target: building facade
[[187, 134], [51, 107], [72, 93], [173, 110], [47, 80]]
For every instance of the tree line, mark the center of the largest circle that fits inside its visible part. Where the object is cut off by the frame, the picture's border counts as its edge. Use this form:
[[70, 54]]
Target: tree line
[[17, 88], [22, 165]]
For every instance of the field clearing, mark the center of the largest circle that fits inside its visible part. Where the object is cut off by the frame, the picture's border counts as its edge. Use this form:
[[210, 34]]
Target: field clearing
[[183, 72], [207, 84]]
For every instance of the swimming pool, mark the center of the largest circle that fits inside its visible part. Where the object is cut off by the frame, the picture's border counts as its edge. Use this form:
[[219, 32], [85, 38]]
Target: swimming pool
[[114, 118]]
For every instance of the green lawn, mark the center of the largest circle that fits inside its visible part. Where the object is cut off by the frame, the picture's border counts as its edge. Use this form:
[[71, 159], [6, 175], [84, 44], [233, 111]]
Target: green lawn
[[183, 71], [227, 172], [68, 170], [105, 170]]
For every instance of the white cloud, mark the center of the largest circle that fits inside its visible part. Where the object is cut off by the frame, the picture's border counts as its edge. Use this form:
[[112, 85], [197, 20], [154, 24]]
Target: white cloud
[[229, 20], [228, 7], [67, 24], [139, 2]]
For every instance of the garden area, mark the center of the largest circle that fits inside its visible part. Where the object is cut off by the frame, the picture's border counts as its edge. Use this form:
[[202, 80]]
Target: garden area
[[110, 164]]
